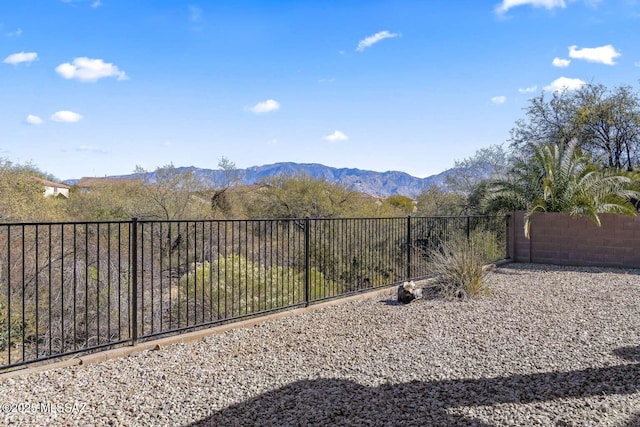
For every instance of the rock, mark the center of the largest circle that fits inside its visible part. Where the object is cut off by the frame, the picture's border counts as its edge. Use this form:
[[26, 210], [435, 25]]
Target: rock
[[408, 291]]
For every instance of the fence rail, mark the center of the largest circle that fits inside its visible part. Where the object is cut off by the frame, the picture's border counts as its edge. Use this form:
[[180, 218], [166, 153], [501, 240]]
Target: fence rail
[[67, 288]]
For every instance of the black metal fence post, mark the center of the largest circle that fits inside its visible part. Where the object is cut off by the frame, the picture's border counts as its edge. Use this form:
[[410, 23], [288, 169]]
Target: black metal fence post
[[468, 227], [307, 262], [408, 247], [133, 302]]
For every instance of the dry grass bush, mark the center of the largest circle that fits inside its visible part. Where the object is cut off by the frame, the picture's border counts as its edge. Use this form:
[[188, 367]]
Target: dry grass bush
[[458, 266]]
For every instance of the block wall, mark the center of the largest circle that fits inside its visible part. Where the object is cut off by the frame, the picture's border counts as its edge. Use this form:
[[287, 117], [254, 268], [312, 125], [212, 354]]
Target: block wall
[[558, 238]]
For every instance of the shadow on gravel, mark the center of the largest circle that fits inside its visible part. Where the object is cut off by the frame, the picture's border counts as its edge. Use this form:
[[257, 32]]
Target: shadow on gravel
[[629, 353], [340, 402], [392, 302]]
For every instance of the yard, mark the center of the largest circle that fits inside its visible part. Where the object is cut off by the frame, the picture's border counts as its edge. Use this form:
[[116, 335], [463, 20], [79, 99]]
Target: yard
[[550, 346]]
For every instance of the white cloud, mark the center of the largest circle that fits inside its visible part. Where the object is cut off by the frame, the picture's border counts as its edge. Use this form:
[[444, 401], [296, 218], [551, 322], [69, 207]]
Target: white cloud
[[195, 13], [94, 4], [336, 136], [371, 40], [603, 54], [561, 63], [565, 83], [17, 58], [499, 99], [528, 89], [89, 70], [503, 7], [91, 149], [66, 116], [264, 107], [16, 33], [33, 120]]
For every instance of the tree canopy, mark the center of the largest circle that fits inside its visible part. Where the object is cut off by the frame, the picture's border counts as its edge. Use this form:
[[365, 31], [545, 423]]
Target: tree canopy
[[604, 122], [23, 194], [299, 197]]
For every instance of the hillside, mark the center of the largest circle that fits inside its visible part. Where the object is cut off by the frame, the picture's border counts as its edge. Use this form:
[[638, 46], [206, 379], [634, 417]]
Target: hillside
[[375, 183], [381, 184]]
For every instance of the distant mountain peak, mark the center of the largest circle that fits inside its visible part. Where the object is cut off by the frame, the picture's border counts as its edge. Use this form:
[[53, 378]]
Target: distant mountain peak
[[380, 184]]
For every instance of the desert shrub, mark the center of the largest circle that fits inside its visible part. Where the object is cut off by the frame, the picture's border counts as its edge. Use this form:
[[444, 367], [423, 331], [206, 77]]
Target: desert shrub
[[488, 245], [14, 328], [458, 266], [235, 286], [287, 286], [51, 302], [219, 289]]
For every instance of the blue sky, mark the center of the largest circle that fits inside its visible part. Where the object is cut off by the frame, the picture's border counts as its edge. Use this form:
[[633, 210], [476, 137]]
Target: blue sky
[[97, 87]]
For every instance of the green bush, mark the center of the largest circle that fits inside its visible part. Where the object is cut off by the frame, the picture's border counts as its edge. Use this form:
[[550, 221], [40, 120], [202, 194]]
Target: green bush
[[235, 286]]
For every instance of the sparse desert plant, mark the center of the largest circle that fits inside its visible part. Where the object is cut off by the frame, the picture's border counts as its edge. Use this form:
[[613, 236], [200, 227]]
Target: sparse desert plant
[[459, 267], [490, 246], [13, 329], [236, 286]]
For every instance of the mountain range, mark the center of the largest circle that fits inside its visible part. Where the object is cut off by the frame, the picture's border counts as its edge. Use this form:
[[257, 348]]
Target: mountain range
[[382, 184]]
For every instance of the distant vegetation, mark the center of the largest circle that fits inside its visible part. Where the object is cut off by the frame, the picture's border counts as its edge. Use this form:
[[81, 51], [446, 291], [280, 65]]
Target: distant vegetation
[[22, 198], [595, 128], [174, 194]]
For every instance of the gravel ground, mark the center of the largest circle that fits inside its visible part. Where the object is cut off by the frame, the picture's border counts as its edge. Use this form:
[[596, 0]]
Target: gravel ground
[[552, 346]]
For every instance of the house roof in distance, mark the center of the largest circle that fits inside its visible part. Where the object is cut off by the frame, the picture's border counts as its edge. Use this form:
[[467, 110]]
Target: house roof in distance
[[48, 183]]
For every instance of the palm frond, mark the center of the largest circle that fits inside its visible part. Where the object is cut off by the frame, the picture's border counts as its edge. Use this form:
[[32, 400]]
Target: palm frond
[[558, 178]]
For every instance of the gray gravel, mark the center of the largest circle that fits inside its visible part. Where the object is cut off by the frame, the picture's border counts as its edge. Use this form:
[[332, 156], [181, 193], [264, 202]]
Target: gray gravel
[[552, 346]]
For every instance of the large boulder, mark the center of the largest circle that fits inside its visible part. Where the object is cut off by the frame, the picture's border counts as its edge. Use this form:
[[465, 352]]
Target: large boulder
[[408, 291]]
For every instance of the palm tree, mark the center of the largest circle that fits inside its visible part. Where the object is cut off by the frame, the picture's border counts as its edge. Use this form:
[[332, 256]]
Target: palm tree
[[558, 178]]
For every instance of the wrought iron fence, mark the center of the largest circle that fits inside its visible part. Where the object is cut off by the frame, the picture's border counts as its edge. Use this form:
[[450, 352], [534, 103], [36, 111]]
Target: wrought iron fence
[[67, 288]]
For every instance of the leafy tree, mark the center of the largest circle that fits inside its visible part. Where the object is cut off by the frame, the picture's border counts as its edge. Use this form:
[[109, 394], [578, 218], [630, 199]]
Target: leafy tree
[[23, 195], [609, 124], [168, 193], [401, 203], [173, 194], [558, 178], [438, 202], [299, 197], [486, 163], [548, 119], [605, 123], [119, 199], [220, 200], [471, 175], [232, 175]]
